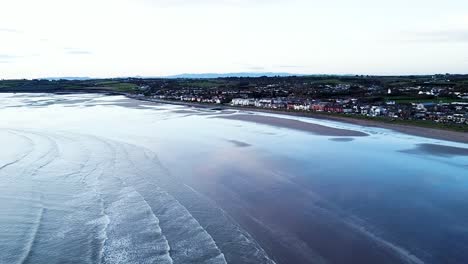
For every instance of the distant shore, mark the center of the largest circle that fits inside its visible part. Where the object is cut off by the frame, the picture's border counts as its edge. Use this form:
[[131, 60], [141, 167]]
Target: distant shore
[[433, 133], [441, 134]]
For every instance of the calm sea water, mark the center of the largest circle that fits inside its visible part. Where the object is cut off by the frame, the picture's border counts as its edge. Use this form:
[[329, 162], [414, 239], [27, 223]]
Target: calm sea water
[[104, 179]]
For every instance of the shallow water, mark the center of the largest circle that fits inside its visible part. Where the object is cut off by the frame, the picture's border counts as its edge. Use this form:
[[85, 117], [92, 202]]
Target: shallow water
[[104, 179]]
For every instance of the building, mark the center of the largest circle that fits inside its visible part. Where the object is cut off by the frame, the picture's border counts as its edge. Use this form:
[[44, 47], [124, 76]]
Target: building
[[243, 102]]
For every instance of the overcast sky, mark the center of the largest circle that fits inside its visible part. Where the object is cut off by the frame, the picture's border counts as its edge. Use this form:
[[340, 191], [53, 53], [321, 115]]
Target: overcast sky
[[111, 38]]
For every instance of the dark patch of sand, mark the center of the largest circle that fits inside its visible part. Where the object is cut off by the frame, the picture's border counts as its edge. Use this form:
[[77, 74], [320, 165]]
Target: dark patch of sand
[[228, 112], [437, 150], [296, 125], [130, 103], [406, 129], [342, 139], [184, 112], [239, 143]]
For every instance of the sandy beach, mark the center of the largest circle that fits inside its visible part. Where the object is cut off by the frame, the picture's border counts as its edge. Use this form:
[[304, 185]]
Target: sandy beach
[[225, 185], [410, 130], [406, 129], [438, 150], [295, 124]]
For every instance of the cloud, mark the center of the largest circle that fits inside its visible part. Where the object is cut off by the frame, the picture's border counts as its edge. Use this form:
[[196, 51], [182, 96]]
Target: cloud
[[256, 68], [441, 36], [72, 51], [10, 30], [291, 66], [5, 58], [195, 3]]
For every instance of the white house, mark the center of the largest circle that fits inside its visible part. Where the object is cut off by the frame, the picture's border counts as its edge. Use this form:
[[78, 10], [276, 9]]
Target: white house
[[243, 102]]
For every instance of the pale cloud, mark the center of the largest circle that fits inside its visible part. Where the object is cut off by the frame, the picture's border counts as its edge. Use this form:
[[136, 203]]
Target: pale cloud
[[291, 66], [212, 3], [256, 68], [73, 51], [453, 36], [108, 38], [9, 30], [6, 58]]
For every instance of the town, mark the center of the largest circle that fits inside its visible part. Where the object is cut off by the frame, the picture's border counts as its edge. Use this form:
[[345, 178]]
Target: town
[[439, 101]]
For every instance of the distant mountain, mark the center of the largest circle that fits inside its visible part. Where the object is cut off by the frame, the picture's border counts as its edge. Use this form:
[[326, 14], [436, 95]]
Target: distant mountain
[[187, 76], [67, 78], [227, 75]]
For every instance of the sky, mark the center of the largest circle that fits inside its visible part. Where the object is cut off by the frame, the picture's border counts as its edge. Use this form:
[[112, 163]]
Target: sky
[[117, 38]]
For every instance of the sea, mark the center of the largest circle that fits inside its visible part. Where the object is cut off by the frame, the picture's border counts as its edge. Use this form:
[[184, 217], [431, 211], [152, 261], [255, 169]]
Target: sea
[[92, 178]]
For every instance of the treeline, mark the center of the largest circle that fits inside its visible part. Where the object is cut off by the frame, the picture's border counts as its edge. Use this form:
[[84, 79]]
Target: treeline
[[315, 85]]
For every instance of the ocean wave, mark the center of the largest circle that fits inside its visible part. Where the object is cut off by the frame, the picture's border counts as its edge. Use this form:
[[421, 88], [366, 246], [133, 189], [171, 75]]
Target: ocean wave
[[106, 201]]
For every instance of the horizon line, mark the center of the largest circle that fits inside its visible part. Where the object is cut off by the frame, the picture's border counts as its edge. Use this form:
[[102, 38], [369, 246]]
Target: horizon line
[[231, 75]]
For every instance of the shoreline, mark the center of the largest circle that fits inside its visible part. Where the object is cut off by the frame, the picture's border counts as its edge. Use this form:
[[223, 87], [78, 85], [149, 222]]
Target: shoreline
[[296, 125], [440, 134], [426, 132]]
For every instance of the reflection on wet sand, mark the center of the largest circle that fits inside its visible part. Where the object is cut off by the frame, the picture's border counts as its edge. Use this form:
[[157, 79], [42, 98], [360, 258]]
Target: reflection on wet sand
[[296, 125], [293, 223], [438, 150], [342, 139], [221, 189], [238, 143]]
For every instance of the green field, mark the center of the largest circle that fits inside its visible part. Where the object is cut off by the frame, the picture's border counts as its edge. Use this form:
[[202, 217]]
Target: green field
[[403, 99], [117, 86]]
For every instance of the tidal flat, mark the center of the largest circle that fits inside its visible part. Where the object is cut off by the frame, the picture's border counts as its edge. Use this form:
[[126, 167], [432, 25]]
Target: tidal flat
[[88, 178]]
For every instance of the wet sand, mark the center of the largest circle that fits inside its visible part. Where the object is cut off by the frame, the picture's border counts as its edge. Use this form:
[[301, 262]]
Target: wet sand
[[292, 223], [276, 201], [447, 135], [438, 150], [239, 144], [440, 134], [433, 133], [296, 125], [342, 139], [406, 129]]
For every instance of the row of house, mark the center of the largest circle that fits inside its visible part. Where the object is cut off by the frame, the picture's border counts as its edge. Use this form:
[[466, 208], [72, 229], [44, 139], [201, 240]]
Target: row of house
[[198, 99], [444, 112]]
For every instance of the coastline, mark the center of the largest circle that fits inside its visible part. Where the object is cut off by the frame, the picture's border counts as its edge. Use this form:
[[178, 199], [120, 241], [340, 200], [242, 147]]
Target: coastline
[[298, 201], [433, 133], [440, 134], [295, 125]]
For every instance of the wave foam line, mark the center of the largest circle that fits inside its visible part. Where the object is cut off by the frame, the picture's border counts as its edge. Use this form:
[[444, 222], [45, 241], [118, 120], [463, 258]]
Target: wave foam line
[[189, 240], [403, 253], [33, 237], [28, 152], [236, 237], [133, 232]]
